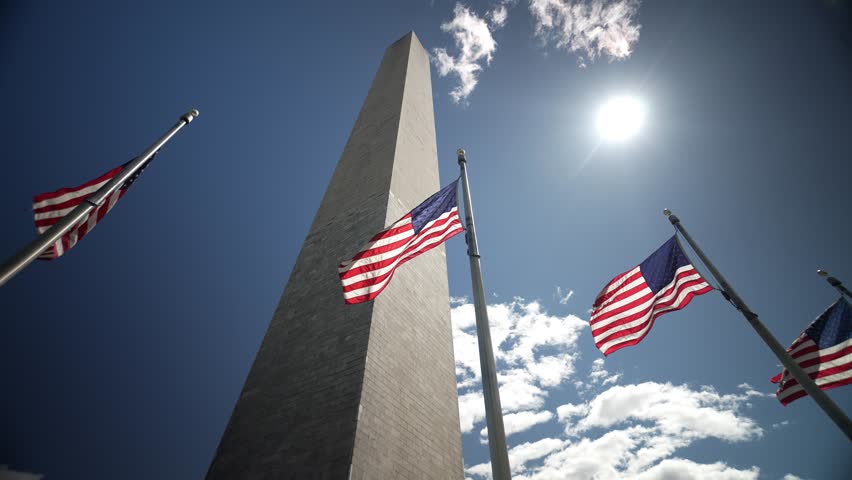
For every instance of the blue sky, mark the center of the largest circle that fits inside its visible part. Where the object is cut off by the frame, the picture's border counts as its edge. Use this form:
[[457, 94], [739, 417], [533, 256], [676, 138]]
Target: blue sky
[[123, 359]]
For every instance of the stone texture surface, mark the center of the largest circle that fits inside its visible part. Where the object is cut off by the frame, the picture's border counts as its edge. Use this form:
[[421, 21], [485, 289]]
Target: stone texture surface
[[359, 391]]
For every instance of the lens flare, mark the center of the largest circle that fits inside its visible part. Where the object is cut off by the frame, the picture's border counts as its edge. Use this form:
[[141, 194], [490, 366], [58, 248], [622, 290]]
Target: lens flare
[[620, 119]]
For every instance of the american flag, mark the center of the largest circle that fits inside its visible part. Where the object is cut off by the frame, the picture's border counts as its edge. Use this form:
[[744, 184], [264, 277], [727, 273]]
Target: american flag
[[626, 308], [50, 207], [823, 350], [424, 228]]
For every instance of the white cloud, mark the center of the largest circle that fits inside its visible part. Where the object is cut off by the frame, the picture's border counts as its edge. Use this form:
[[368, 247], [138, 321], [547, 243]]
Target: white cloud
[[520, 455], [687, 470], [790, 476], [637, 452], [455, 301], [631, 431], [471, 410], [498, 16], [587, 28], [600, 376], [519, 332], [518, 390], [645, 425], [563, 296], [674, 409], [519, 422], [473, 38], [781, 424], [590, 29]]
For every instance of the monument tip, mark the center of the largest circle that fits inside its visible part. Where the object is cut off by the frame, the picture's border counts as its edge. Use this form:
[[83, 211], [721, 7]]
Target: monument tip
[[411, 37]]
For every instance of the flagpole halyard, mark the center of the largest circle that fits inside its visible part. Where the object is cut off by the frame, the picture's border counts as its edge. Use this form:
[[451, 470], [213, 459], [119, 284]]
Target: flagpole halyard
[[29, 253], [821, 398], [500, 469]]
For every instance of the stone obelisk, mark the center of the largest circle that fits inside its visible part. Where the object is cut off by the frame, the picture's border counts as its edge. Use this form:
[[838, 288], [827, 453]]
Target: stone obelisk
[[362, 391]]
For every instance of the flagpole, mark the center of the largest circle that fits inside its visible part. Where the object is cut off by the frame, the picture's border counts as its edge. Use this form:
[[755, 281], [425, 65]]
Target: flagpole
[[835, 283], [29, 253], [824, 401], [493, 411]]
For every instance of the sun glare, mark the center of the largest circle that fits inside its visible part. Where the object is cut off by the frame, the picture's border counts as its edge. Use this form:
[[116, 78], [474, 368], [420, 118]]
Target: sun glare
[[620, 119]]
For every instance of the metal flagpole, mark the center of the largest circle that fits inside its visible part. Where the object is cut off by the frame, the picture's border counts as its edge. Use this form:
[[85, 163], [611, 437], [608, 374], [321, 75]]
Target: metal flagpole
[[835, 283], [29, 253], [829, 407], [493, 411]]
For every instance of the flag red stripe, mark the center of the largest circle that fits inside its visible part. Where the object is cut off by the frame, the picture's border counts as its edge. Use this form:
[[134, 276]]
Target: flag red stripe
[[371, 278], [792, 382], [388, 261], [655, 310], [599, 314], [801, 393], [385, 248], [401, 258], [62, 191], [640, 301], [374, 294], [805, 351], [825, 358], [622, 279], [80, 230], [688, 298]]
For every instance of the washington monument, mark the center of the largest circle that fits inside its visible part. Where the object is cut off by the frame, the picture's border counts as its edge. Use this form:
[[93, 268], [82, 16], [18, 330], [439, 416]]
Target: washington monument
[[362, 391]]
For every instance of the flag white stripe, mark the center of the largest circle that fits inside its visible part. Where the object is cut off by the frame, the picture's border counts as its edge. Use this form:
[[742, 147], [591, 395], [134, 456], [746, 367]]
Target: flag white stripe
[[640, 280], [813, 369], [822, 365], [54, 213], [819, 381], [645, 317], [615, 302], [596, 324], [92, 220], [676, 283], [807, 343], [365, 261], [683, 293], [381, 271], [385, 240], [452, 228], [825, 351], [370, 274], [378, 286], [113, 199], [70, 195], [392, 253], [620, 281]]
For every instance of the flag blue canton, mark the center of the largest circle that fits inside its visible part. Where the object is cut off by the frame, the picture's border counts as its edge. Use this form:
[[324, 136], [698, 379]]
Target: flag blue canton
[[425, 227], [433, 207], [833, 326], [660, 268], [625, 310]]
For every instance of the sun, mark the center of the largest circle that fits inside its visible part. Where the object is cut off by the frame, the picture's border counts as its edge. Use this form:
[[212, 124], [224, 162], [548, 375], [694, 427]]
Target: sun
[[620, 118]]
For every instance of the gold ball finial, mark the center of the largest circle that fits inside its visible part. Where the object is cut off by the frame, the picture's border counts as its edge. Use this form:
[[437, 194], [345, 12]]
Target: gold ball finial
[[822, 273], [667, 212]]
